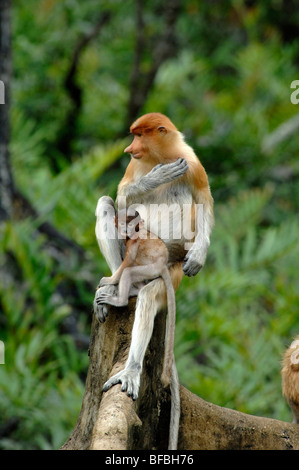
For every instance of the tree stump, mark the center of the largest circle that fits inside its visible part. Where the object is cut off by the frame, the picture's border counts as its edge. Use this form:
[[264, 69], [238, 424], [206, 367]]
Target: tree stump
[[113, 421]]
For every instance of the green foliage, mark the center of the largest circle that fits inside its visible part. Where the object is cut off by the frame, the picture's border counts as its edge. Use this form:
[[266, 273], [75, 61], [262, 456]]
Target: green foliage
[[40, 386], [68, 200]]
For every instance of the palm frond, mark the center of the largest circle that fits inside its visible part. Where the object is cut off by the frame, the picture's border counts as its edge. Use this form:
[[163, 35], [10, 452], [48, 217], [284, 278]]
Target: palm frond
[[241, 212]]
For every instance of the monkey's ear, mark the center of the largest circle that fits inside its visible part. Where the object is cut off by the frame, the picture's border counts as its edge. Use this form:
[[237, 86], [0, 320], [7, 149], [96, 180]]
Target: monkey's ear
[[162, 130]]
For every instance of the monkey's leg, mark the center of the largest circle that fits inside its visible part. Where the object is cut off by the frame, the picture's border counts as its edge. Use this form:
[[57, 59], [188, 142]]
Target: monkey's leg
[[204, 219], [106, 233], [129, 276], [136, 275], [110, 247], [151, 298], [146, 309], [114, 279]]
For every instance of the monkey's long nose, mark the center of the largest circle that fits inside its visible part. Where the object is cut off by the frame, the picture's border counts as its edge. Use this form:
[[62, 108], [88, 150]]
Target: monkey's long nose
[[128, 149]]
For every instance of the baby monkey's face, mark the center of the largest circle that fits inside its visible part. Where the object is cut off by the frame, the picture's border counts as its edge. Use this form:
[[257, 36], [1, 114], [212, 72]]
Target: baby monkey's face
[[128, 226]]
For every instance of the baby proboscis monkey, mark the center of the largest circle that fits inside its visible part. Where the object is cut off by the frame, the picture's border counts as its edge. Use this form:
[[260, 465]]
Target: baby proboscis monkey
[[145, 259]]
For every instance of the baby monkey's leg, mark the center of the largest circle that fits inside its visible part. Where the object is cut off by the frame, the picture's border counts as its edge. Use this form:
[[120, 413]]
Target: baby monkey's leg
[[130, 276]]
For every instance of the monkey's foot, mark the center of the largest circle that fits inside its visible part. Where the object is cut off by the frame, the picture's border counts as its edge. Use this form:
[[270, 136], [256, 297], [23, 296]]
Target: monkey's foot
[[105, 281], [130, 380], [100, 309], [111, 300]]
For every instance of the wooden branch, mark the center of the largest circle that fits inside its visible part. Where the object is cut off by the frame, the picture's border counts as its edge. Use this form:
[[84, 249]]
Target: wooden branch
[[68, 131], [74, 91], [22, 208], [112, 421], [211, 427]]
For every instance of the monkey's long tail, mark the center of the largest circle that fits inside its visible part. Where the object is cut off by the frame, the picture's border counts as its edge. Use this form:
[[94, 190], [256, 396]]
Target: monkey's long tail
[[170, 328], [175, 411], [169, 374]]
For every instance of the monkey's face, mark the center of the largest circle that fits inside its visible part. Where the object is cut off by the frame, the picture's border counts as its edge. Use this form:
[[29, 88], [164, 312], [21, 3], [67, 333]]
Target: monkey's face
[[122, 228], [153, 134], [149, 145], [133, 230], [128, 226]]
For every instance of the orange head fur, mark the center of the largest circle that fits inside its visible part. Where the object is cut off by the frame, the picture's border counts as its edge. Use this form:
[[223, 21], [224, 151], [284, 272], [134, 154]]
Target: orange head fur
[[154, 138], [151, 123]]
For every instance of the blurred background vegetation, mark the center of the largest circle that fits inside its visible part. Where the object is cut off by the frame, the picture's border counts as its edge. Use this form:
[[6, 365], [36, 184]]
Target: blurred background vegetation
[[221, 70]]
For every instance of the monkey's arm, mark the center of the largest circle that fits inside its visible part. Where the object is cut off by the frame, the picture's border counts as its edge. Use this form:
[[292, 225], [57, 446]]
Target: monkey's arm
[[160, 174], [196, 256], [114, 279]]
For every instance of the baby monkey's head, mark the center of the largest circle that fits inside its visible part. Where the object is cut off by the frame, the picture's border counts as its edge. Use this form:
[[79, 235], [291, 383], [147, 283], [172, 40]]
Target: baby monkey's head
[[128, 223]]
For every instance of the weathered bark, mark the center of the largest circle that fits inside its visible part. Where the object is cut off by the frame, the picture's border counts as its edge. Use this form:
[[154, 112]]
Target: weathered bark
[[112, 421], [211, 427]]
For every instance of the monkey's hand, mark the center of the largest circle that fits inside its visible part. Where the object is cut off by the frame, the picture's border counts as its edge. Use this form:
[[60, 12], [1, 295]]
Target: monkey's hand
[[101, 310], [162, 174], [130, 380], [193, 262]]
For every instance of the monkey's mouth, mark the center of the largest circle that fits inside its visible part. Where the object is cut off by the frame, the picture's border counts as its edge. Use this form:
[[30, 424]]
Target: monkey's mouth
[[136, 155]]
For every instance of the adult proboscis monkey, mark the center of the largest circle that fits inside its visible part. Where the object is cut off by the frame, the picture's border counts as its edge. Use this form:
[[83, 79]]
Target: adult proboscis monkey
[[166, 183]]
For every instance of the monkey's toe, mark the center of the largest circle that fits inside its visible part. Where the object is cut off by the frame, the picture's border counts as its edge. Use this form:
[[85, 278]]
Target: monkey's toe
[[102, 298], [130, 381], [100, 311], [99, 307]]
